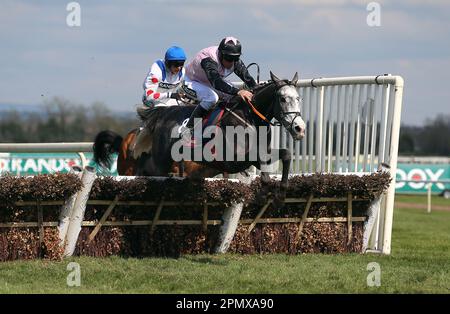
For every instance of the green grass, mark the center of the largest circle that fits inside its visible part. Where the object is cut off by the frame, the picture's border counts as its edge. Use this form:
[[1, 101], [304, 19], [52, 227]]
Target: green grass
[[422, 199], [419, 263]]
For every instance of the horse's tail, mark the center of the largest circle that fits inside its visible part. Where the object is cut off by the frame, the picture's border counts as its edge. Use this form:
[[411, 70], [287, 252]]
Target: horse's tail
[[106, 143]]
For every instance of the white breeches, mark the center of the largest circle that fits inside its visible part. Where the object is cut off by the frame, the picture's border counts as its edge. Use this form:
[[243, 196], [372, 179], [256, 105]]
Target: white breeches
[[207, 95]]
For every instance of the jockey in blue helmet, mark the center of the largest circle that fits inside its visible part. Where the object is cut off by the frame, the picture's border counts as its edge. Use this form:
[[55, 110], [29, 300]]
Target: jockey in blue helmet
[[164, 78]]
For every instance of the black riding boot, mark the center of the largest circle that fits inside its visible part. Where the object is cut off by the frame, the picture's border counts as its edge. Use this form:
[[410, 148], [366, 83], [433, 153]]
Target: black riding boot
[[198, 112]]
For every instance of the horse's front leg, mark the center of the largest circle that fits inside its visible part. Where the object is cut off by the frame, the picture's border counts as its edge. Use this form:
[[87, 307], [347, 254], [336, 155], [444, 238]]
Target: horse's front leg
[[265, 193], [285, 157]]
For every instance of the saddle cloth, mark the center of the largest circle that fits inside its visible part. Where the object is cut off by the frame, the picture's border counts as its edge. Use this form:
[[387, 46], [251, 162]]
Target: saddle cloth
[[213, 117]]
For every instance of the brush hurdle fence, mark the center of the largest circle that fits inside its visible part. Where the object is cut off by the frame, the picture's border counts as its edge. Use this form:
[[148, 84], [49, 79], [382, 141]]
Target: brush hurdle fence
[[353, 126]]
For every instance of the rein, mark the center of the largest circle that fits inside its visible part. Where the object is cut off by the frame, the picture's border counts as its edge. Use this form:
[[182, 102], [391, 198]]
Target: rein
[[252, 107], [259, 114]]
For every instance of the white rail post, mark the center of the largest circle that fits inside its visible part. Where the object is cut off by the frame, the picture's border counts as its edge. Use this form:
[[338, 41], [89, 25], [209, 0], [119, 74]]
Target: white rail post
[[389, 214], [429, 198], [319, 130]]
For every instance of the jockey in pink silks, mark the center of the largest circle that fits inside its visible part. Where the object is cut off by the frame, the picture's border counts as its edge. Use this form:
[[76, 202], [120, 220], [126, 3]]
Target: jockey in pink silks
[[206, 72]]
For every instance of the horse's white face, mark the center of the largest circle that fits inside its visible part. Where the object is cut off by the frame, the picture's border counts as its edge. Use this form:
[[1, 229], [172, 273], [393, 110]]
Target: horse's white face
[[290, 115]]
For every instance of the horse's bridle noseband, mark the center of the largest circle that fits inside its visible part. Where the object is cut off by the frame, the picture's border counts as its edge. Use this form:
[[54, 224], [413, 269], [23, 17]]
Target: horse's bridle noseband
[[284, 114]]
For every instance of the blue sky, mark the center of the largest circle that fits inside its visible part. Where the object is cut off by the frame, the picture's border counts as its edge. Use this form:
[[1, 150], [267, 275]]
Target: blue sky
[[107, 57]]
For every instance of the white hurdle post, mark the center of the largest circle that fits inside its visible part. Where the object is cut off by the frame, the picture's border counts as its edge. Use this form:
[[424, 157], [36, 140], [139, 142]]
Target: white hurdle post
[[67, 208], [230, 219], [78, 211]]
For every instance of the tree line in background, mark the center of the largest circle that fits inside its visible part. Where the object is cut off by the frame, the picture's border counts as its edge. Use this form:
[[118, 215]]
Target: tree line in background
[[431, 139], [65, 121]]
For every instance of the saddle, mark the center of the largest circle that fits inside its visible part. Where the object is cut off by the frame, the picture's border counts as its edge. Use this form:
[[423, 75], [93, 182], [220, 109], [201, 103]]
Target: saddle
[[216, 114], [143, 140]]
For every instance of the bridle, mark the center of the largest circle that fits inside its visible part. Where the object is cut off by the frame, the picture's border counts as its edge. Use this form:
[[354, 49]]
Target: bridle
[[261, 116], [282, 114]]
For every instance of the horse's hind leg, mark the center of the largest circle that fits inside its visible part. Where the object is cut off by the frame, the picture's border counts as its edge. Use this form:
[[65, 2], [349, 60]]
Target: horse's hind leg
[[146, 167], [126, 164], [199, 171], [265, 193]]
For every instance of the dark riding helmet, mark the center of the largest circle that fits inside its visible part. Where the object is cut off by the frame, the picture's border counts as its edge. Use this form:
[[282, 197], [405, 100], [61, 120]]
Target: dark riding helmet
[[230, 46]]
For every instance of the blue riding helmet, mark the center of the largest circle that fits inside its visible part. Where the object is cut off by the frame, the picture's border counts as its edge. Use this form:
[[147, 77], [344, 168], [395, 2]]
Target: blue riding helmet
[[175, 53]]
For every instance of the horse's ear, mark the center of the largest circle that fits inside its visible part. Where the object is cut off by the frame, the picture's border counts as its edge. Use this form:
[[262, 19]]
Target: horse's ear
[[274, 78], [295, 79]]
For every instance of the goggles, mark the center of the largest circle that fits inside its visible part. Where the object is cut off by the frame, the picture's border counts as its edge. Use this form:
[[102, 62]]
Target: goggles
[[175, 63], [231, 58]]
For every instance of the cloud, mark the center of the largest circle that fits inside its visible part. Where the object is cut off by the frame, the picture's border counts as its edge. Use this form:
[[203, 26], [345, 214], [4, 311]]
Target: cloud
[[107, 57]]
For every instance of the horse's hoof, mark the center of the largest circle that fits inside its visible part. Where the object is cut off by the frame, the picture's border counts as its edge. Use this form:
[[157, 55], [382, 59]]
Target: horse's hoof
[[280, 198], [262, 198], [278, 203]]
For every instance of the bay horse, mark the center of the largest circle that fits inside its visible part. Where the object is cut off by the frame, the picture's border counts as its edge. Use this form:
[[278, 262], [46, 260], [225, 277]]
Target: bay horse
[[277, 99], [108, 142]]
